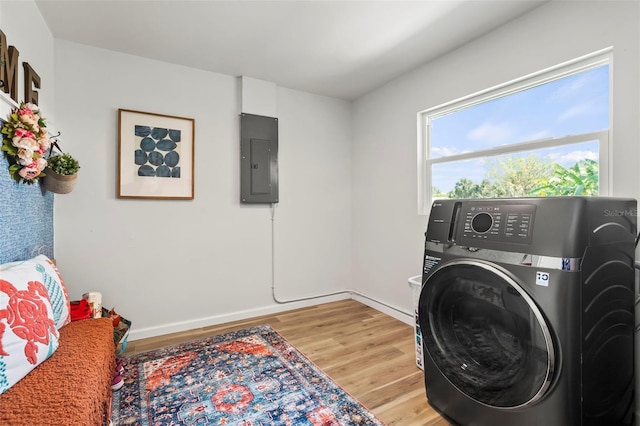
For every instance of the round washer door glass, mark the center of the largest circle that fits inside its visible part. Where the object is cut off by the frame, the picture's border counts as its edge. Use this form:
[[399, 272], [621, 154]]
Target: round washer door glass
[[486, 334]]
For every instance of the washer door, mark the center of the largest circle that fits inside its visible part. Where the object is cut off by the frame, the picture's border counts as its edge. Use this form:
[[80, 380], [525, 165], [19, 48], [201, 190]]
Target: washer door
[[485, 334]]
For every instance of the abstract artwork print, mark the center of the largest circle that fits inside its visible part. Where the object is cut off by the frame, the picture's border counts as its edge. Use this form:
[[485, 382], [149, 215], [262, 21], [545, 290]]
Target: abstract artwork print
[[157, 152], [156, 156]]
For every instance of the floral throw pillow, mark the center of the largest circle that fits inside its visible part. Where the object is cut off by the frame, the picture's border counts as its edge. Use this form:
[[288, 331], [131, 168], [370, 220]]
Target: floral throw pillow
[[56, 289], [28, 333], [52, 280]]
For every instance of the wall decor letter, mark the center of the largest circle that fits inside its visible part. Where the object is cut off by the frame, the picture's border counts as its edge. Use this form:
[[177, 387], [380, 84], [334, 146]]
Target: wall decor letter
[[3, 54], [9, 73], [31, 80], [9, 70]]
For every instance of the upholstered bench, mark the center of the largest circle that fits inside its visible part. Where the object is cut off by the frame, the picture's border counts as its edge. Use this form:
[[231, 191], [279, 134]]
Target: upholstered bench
[[73, 386], [52, 371]]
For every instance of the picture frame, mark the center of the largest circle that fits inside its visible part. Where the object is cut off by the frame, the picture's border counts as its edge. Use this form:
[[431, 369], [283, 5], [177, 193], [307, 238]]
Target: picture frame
[[155, 156]]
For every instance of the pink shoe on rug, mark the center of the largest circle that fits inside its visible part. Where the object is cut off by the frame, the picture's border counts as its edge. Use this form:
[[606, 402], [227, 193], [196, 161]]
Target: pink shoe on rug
[[117, 382], [119, 367]]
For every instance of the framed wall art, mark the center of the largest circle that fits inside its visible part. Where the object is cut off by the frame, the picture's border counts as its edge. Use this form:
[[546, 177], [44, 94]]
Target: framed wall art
[[155, 156]]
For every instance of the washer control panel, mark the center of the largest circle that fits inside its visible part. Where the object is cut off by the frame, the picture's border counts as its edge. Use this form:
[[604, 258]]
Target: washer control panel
[[497, 222]]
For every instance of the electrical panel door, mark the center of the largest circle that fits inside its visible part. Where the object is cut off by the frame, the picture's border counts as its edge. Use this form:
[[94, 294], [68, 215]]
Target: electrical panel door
[[258, 159]]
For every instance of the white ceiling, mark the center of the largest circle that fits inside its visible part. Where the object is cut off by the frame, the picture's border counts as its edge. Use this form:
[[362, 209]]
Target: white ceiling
[[342, 49]]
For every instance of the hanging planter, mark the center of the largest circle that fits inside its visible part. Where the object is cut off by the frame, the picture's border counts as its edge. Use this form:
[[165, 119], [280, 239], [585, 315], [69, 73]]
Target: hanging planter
[[57, 183], [61, 174]]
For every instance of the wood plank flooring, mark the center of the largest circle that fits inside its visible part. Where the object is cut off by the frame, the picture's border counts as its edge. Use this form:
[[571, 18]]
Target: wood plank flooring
[[370, 354]]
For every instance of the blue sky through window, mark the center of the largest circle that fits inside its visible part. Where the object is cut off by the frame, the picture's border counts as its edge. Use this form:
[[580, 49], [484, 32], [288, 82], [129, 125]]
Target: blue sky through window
[[575, 104]]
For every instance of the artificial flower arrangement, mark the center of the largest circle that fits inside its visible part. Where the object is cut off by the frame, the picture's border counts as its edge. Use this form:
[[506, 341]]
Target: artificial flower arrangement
[[25, 142]]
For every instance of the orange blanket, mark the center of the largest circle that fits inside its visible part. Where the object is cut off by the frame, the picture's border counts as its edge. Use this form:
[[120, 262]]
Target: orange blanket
[[73, 386]]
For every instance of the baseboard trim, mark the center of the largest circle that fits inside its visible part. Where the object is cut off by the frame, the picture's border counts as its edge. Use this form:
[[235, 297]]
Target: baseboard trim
[[405, 317], [176, 327]]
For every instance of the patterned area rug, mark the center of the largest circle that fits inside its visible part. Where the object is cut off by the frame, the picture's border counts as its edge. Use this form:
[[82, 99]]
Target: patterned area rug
[[249, 377]]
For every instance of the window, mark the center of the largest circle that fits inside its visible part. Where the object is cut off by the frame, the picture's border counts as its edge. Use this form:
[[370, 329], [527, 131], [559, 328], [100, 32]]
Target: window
[[542, 135]]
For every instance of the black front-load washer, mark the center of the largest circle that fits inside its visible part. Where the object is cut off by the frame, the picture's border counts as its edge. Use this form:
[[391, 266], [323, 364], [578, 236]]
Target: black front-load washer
[[527, 311]]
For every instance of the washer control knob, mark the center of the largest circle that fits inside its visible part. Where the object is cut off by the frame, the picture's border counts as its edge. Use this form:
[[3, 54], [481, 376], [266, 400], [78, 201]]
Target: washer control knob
[[482, 222]]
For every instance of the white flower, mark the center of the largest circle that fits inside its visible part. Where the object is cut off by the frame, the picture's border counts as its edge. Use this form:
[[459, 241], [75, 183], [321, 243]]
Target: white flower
[[30, 120], [25, 156], [26, 143], [42, 163], [44, 143]]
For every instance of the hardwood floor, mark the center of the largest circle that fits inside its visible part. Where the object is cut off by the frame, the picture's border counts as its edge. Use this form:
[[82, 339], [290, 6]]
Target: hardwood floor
[[370, 354]]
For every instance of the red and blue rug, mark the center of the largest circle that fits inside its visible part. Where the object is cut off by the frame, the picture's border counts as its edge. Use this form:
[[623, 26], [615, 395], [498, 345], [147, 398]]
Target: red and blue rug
[[250, 377]]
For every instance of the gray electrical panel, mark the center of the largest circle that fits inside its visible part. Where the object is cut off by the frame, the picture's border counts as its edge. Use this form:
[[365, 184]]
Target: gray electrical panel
[[258, 159]]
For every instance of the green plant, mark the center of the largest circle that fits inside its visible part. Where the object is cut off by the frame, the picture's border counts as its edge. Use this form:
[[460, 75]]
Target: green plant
[[579, 179], [64, 164]]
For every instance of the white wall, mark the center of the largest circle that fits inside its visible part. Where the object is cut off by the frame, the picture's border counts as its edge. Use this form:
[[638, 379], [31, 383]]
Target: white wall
[[175, 265], [387, 231], [35, 44]]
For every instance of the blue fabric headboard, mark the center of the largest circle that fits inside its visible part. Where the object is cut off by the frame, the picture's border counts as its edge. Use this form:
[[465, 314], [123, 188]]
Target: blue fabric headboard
[[26, 218]]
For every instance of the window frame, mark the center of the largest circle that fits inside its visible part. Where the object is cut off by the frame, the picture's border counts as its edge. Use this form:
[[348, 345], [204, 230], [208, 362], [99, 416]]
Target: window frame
[[424, 118]]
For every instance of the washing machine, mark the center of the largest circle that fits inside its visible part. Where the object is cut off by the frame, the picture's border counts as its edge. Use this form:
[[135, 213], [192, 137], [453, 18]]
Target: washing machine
[[527, 311]]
